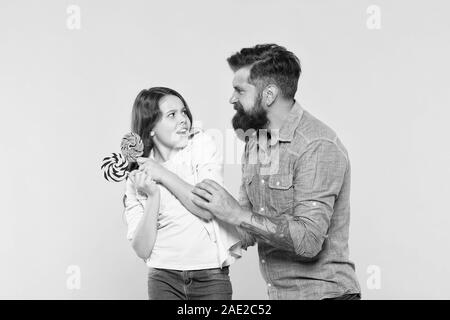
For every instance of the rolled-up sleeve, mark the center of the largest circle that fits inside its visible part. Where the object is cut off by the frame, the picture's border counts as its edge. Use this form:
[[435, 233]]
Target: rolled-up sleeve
[[209, 165], [318, 179], [208, 159], [133, 208]]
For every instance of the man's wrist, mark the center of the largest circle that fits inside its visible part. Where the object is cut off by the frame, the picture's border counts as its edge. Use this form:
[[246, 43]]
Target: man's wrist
[[242, 215]]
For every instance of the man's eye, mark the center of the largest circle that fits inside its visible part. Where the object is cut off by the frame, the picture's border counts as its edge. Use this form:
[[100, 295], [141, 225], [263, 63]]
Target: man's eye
[[171, 114], [185, 111]]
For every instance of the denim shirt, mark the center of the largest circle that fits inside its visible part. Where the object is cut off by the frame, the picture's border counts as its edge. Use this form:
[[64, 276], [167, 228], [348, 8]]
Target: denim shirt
[[302, 175]]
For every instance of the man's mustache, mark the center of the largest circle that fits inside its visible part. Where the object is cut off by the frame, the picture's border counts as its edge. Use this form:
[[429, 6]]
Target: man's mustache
[[238, 107]]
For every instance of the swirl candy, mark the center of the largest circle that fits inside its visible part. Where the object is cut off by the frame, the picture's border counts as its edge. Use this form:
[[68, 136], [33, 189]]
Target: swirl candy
[[132, 147], [114, 167]]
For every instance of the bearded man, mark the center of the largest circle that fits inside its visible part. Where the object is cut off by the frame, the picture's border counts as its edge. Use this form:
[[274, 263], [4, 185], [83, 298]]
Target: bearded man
[[294, 199]]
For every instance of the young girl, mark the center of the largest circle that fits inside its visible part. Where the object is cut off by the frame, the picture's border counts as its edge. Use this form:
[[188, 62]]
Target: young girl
[[187, 252]]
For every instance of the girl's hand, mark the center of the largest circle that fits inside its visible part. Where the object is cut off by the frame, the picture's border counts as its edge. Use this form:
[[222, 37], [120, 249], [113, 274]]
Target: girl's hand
[[152, 167], [144, 183]]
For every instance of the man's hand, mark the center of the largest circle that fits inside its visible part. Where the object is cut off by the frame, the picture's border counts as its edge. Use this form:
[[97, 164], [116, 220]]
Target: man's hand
[[210, 196]]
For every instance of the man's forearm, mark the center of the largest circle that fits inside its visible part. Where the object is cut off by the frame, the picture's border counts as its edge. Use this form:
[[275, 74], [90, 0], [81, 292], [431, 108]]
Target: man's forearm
[[274, 230], [247, 238]]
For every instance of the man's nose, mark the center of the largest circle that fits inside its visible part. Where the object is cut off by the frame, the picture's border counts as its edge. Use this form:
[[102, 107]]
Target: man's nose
[[233, 99]]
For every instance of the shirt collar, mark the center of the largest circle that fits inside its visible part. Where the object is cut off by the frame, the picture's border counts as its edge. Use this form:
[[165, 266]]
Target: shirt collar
[[293, 119], [287, 130], [164, 163], [178, 157]]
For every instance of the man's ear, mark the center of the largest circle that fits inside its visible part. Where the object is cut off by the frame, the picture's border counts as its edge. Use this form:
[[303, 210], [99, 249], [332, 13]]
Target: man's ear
[[270, 94]]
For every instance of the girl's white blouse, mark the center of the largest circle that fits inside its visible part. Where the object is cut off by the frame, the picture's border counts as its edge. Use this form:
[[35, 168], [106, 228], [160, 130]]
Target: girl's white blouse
[[184, 241]]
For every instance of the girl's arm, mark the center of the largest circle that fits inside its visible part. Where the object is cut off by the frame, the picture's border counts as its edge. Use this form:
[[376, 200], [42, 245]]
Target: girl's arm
[[182, 191], [208, 159], [145, 234], [141, 218]]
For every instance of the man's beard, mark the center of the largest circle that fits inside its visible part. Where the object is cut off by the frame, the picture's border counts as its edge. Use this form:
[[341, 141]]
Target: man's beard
[[255, 119]]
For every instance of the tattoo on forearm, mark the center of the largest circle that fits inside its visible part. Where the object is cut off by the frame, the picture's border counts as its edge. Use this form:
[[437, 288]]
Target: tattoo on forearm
[[274, 230]]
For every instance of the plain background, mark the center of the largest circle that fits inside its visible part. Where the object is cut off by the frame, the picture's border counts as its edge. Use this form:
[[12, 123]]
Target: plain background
[[66, 98]]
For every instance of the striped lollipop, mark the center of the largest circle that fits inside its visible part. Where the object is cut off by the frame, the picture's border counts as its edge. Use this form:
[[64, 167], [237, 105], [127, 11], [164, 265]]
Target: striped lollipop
[[115, 167], [132, 147]]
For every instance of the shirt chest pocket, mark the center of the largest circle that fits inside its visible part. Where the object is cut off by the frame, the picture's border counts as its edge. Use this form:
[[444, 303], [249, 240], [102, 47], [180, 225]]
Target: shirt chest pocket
[[281, 192]]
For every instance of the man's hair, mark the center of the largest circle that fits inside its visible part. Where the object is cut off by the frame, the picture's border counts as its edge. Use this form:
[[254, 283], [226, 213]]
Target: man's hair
[[269, 63]]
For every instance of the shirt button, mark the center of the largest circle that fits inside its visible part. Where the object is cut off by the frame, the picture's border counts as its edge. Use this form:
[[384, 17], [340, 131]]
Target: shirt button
[[262, 209], [269, 285], [262, 181], [314, 204], [263, 261], [278, 183]]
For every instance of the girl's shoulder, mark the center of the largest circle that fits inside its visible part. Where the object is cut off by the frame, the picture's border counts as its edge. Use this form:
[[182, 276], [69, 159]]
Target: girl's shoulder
[[201, 138], [202, 146]]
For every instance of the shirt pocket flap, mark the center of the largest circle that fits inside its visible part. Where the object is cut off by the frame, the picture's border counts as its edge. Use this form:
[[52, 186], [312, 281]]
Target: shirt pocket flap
[[280, 181]]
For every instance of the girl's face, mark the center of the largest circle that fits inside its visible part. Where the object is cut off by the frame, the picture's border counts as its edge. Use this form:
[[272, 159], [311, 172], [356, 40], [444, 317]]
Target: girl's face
[[172, 130]]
